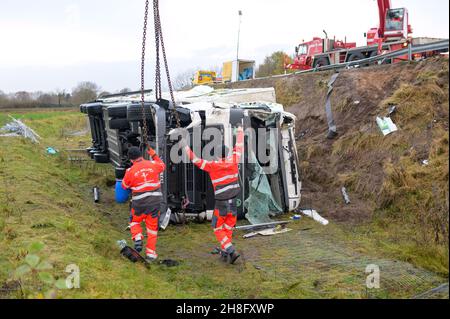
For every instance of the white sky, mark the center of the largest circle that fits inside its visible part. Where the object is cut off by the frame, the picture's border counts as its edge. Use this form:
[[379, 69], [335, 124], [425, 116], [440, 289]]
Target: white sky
[[50, 44]]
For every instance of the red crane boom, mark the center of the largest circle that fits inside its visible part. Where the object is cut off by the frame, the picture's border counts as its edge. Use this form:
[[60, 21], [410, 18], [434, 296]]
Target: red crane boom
[[383, 7]]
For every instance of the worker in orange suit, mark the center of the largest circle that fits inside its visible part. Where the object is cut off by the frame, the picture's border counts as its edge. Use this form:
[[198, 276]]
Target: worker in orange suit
[[224, 175], [143, 179]]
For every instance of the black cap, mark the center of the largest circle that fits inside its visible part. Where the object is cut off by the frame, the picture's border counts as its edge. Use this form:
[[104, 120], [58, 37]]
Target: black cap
[[134, 153]]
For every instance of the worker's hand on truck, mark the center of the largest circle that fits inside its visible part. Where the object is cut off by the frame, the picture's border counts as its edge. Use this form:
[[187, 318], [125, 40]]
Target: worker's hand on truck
[[151, 152]]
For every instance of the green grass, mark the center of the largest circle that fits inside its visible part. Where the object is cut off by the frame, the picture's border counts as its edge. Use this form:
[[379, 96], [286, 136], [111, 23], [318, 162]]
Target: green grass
[[45, 198]]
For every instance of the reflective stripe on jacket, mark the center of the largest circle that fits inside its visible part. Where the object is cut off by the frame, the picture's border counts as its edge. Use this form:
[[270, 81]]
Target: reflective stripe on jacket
[[143, 178]]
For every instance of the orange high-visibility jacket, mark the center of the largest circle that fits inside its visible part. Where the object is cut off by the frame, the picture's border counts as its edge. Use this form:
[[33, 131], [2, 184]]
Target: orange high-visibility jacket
[[143, 178], [224, 173]]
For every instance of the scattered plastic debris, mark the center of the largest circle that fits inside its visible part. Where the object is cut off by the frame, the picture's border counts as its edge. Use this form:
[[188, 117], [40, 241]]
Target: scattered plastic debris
[[392, 110], [345, 195], [96, 192], [268, 232], [425, 162], [296, 217], [165, 219], [17, 128], [357, 102], [386, 125], [51, 151], [315, 215]]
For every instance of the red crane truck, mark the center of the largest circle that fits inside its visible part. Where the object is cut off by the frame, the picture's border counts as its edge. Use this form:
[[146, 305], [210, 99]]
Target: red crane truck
[[392, 34]]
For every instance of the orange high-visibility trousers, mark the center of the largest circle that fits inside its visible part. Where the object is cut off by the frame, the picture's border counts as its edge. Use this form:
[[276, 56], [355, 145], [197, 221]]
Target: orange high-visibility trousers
[[224, 221], [152, 225]]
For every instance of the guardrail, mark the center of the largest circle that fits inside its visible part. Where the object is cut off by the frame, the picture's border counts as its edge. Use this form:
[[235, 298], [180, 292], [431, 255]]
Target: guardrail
[[412, 49]]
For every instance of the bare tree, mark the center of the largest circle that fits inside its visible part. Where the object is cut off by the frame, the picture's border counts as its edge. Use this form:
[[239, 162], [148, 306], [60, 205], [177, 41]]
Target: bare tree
[[184, 79], [125, 90], [3, 99], [85, 92], [23, 97]]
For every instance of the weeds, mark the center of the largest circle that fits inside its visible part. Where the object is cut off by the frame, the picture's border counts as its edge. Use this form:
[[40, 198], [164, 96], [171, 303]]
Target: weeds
[[36, 271]]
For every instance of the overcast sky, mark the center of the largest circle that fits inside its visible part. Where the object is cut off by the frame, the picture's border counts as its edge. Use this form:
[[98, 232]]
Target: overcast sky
[[54, 44]]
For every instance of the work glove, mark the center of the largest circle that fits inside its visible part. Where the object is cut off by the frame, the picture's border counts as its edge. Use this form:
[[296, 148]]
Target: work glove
[[151, 152], [238, 129]]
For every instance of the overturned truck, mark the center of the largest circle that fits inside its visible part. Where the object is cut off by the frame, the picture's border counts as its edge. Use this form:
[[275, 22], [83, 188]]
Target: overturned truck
[[270, 178]]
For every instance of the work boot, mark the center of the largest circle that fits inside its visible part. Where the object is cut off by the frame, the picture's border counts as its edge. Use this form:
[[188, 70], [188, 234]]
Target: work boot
[[150, 259], [138, 245], [223, 255], [232, 257]]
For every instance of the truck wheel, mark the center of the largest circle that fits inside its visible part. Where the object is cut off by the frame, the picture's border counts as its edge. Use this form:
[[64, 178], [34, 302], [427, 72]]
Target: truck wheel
[[321, 62], [117, 111], [119, 124], [94, 109], [101, 158]]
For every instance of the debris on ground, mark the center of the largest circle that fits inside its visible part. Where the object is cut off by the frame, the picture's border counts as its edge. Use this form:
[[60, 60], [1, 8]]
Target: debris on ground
[[169, 263], [315, 215], [296, 217], [130, 253], [51, 151], [262, 225], [392, 110], [345, 195], [281, 229], [332, 130], [386, 125], [17, 128], [96, 192]]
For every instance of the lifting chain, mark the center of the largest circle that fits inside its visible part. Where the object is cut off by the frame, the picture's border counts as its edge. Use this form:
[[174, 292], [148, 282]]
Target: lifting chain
[[160, 47], [144, 40]]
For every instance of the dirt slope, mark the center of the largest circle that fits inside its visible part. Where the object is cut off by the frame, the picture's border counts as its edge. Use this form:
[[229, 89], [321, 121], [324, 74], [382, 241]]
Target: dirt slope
[[385, 176]]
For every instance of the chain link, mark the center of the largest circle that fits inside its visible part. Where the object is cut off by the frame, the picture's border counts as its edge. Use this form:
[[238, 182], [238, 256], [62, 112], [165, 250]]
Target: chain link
[[144, 40], [160, 47], [159, 40]]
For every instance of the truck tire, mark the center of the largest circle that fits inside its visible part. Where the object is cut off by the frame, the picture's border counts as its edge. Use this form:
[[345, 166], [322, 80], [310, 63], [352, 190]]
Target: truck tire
[[119, 124], [321, 62], [117, 111], [134, 112], [101, 158], [94, 109]]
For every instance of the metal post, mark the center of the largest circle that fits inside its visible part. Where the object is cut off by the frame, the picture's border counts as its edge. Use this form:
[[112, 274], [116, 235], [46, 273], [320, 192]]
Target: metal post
[[409, 51], [239, 35]]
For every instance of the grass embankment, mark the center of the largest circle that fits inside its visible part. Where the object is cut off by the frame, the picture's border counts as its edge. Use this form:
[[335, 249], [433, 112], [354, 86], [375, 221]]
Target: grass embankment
[[46, 199], [411, 199], [399, 201]]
